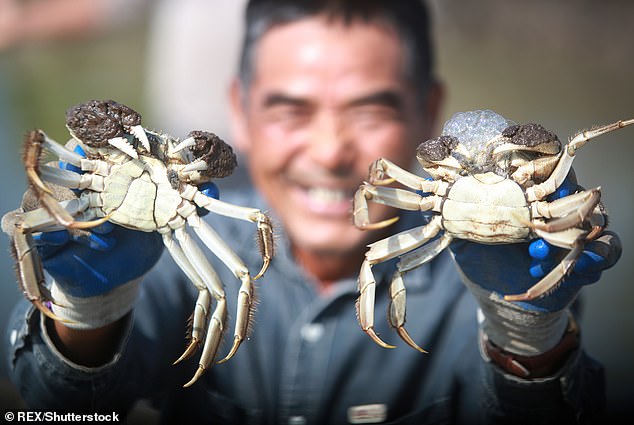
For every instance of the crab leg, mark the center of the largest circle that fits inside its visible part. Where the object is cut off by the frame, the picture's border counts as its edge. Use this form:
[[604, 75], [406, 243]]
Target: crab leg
[[40, 220], [32, 152], [70, 179], [410, 261], [264, 226], [245, 295], [212, 282], [379, 251], [564, 239], [537, 169], [31, 274], [553, 278], [199, 324], [201, 310], [562, 232], [60, 151], [541, 190], [383, 171], [212, 339], [397, 308], [575, 212], [360, 213], [365, 303], [29, 265], [402, 242], [399, 198]]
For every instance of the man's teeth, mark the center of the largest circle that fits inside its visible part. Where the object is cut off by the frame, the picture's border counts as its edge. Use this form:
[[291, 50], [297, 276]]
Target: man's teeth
[[323, 194]]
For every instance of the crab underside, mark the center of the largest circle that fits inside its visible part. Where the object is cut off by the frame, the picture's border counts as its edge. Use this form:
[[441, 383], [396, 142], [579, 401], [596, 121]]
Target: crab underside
[[490, 183], [146, 181]]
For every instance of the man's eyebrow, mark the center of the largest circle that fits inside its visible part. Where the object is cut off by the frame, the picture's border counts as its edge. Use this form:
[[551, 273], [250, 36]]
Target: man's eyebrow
[[274, 99], [388, 98]]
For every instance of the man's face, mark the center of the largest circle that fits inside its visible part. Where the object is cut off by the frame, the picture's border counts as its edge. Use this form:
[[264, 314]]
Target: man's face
[[326, 100]]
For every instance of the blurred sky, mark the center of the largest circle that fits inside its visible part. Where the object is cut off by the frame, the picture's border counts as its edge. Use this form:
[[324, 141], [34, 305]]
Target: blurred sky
[[567, 65]]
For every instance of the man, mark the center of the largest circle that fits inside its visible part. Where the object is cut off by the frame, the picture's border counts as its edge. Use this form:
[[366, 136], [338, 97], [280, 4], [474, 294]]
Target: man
[[324, 89]]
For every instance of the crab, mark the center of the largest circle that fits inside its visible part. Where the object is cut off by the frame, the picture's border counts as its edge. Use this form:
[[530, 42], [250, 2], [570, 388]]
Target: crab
[[490, 179], [146, 181]]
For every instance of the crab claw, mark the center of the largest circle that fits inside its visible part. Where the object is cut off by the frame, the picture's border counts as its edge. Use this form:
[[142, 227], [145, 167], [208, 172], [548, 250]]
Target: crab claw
[[188, 142], [139, 133], [199, 165], [123, 145]]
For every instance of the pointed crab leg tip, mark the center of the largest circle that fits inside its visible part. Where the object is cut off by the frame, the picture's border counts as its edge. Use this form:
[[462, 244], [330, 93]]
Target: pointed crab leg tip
[[383, 182], [48, 313], [408, 339], [265, 267], [380, 225], [88, 224], [236, 343], [35, 179], [199, 372], [376, 339], [189, 351], [518, 297]]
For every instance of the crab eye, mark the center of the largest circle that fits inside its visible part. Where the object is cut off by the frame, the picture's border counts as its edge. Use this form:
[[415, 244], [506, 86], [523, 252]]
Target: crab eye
[[97, 121], [437, 149]]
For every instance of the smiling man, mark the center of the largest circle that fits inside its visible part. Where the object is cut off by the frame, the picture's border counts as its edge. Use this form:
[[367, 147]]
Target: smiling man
[[324, 89], [318, 109]]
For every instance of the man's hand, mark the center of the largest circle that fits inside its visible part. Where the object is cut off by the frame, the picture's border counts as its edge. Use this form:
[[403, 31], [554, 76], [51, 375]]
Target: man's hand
[[529, 328], [93, 263], [96, 272], [512, 269]]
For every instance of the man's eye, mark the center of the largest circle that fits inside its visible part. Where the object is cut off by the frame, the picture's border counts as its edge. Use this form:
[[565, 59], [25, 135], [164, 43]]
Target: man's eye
[[288, 114], [372, 115]]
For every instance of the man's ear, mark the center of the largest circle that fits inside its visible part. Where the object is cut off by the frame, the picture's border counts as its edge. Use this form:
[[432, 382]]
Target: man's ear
[[238, 119]]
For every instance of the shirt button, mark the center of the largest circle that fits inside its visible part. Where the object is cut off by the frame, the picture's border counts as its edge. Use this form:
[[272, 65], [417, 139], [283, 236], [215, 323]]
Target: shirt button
[[296, 420], [312, 332]]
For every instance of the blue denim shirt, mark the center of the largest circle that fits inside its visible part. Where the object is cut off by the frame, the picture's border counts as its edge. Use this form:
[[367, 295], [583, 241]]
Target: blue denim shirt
[[306, 361]]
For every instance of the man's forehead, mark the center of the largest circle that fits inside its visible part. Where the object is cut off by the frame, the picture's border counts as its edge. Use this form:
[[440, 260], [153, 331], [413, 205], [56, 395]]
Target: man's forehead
[[335, 50], [327, 31]]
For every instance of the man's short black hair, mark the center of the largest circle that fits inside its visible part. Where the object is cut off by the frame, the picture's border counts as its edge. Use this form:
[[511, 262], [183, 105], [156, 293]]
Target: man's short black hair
[[409, 18]]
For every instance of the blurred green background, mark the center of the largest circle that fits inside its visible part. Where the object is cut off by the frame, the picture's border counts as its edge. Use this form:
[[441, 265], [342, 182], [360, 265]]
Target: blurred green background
[[567, 65]]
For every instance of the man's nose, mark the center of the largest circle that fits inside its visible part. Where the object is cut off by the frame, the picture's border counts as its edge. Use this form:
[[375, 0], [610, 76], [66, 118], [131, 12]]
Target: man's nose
[[331, 143]]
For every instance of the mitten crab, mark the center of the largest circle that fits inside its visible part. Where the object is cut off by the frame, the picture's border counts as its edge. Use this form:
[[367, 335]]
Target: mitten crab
[[490, 183], [146, 181]]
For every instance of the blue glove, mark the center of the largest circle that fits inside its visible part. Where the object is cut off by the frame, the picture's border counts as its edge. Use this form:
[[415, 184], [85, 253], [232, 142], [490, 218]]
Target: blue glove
[[529, 328], [512, 269], [90, 264]]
